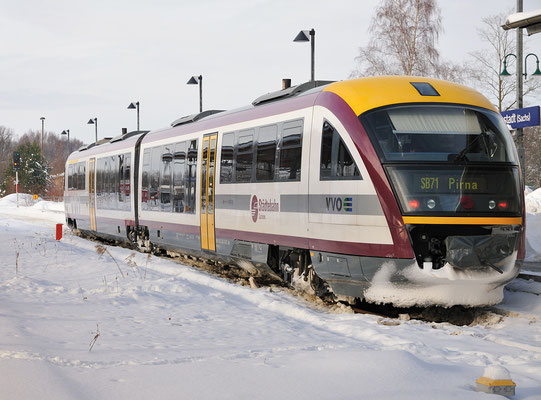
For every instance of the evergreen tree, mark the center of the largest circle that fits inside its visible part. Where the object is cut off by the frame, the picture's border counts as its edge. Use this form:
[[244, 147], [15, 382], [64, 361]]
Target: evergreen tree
[[33, 171]]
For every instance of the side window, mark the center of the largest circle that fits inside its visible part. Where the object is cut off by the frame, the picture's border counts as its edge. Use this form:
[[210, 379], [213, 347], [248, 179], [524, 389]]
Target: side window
[[145, 179], [226, 167], [179, 166], [190, 177], [266, 153], [99, 181], [106, 183], [336, 162], [165, 178], [121, 194], [154, 189], [70, 176], [81, 180], [245, 153], [290, 151], [127, 180], [114, 188]]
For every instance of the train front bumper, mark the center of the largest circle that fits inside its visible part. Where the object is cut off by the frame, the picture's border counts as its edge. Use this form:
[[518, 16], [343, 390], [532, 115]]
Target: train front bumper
[[475, 272]]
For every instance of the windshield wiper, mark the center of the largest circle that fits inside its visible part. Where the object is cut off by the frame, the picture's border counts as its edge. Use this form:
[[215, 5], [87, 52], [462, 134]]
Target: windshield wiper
[[490, 147]]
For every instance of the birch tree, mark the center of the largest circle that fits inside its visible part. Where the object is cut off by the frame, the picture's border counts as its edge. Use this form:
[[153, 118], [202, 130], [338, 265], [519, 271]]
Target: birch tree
[[403, 37], [488, 64]]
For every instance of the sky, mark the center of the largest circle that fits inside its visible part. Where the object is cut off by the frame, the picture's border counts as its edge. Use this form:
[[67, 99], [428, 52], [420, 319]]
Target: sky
[[71, 60]]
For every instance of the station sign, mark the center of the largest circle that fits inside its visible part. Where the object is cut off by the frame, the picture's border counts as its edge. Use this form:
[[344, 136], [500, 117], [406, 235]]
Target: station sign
[[522, 117]]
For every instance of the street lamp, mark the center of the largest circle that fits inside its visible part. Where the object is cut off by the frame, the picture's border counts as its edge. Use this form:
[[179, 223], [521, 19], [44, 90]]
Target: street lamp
[[194, 80], [505, 73], [67, 132], [309, 36], [94, 122], [133, 106], [42, 129], [519, 132]]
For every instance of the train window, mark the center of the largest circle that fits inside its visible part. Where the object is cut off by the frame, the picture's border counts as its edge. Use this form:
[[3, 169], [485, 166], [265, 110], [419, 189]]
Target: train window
[[190, 177], [75, 177], [145, 179], [290, 151], [80, 176], [106, 180], [336, 162], [113, 182], [121, 195], [266, 153], [70, 176], [165, 178], [154, 178], [245, 154], [99, 182], [204, 177], [226, 166], [127, 180], [179, 166], [447, 134]]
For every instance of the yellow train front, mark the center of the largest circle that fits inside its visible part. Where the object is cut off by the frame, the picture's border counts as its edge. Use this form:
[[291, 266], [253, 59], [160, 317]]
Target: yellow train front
[[446, 173]]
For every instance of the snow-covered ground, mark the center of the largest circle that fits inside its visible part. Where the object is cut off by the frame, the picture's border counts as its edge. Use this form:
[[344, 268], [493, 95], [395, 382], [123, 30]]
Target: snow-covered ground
[[533, 226], [168, 331]]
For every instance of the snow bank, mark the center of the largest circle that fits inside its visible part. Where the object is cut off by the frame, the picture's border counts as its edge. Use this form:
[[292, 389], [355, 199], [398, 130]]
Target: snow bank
[[533, 226], [28, 207], [496, 373]]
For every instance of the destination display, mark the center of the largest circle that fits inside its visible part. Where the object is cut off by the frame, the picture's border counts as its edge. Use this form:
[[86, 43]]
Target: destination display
[[428, 183]]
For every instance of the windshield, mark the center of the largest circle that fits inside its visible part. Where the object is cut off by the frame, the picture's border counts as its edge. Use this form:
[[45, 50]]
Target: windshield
[[448, 133]]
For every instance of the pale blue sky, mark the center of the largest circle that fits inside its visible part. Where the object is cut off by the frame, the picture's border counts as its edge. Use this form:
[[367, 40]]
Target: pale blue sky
[[71, 60]]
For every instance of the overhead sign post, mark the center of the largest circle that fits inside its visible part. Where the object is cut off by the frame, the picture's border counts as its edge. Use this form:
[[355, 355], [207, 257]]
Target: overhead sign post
[[522, 117], [16, 166]]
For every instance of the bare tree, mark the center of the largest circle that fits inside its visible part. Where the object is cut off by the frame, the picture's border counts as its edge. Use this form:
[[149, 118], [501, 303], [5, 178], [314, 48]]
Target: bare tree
[[488, 64], [532, 149], [6, 146], [403, 37]]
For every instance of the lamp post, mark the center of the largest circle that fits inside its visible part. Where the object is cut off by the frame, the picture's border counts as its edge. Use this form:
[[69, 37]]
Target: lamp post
[[537, 72], [67, 132], [42, 131], [520, 75], [194, 80], [94, 122], [309, 36], [133, 106]]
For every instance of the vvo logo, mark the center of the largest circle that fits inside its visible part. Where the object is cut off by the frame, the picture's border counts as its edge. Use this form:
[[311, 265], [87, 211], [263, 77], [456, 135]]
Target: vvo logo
[[339, 204]]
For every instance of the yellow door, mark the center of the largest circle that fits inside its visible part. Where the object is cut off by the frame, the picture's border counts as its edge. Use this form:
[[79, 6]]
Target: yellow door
[[208, 241], [92, 193]]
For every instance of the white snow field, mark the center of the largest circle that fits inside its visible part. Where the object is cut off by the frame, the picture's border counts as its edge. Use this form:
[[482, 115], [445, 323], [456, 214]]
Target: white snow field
[[533, 226], [168, 331]]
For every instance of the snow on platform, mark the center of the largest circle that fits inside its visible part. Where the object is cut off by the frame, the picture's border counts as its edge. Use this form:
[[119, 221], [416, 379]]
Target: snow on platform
[[168, 331]]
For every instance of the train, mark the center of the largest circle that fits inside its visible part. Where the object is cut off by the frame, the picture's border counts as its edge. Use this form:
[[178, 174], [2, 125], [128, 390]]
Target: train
[[394, 189]]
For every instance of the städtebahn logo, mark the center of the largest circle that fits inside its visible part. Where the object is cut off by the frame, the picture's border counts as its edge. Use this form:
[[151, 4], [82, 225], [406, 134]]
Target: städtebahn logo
[[254, 207], [260, 207]]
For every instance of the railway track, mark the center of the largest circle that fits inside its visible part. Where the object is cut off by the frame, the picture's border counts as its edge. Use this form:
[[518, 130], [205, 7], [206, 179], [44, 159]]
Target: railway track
[[390, 315], [529, 276]]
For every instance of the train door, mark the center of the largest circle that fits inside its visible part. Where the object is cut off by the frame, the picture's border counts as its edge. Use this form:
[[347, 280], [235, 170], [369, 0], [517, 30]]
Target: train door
[[92, 193], [208, 159]]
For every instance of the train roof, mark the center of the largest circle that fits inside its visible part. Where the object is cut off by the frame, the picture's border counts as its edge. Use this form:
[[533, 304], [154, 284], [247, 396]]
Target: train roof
[[106, 144], [365, 94], [362, 94]]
